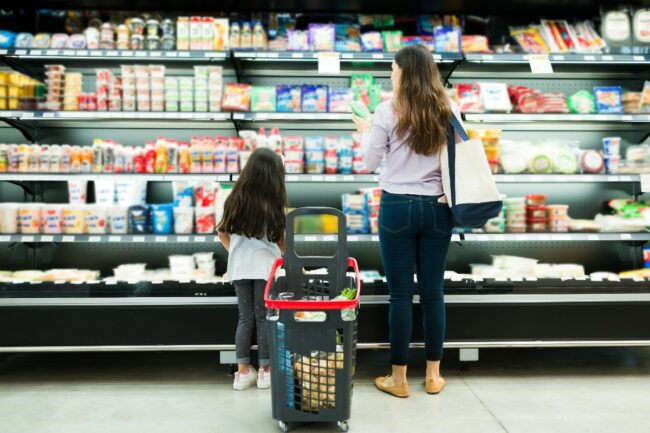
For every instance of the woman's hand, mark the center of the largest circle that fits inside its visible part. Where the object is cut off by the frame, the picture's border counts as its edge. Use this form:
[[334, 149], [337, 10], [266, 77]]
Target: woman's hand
[[363, 125]]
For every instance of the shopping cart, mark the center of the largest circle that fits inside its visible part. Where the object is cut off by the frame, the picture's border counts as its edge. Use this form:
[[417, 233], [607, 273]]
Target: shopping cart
[[312, 336]]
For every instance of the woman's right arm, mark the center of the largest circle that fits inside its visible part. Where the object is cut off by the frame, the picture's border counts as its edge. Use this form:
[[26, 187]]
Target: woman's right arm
[[375, 141]]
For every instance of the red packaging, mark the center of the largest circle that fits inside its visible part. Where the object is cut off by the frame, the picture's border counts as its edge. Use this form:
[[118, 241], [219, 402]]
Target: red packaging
[[205, 194], [536, 212], [150, 157], [204, 219], [139, 161]]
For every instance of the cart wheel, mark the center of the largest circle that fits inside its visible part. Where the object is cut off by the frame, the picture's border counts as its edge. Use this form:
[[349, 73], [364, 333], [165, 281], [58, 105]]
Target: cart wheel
[[283, 426], [343, 426]]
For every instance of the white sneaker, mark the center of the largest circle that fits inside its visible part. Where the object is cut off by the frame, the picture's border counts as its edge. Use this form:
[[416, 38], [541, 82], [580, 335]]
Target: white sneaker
[[244, 381], [264, 379]]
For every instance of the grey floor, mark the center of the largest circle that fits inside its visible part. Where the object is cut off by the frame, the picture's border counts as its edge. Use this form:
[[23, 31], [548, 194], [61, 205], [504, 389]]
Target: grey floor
[[517, 391]]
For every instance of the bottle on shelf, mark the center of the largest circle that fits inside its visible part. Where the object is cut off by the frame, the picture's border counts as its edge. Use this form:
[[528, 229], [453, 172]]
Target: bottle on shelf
[[274, 142], [260, 140]]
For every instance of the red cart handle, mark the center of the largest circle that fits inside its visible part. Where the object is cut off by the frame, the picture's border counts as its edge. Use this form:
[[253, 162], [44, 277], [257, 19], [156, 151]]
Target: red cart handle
[[310, 305]]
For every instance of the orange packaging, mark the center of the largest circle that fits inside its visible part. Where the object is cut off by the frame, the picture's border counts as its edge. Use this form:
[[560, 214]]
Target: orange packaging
[[184, 158], [161, 157], [76, 159]]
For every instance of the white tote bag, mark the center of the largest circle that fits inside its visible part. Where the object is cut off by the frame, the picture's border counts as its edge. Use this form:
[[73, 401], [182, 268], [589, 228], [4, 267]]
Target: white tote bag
[[467, 181]]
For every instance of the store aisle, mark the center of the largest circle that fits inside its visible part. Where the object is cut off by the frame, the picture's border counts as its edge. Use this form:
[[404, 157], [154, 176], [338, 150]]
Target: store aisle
[[508, 391]]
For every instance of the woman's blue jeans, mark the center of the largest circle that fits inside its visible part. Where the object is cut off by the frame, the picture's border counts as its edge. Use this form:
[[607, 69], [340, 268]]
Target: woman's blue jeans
[[414, 235]]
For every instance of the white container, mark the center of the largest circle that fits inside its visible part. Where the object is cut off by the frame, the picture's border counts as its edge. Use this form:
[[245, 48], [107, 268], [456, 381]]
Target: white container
[[203, 258], [95, 219], [183, 220], [117, 217], [74, 221], [130, 272], [9, 218], [515, 265], [77, 191], [104, 192], [52, 219], [29, 218], [181, 264]]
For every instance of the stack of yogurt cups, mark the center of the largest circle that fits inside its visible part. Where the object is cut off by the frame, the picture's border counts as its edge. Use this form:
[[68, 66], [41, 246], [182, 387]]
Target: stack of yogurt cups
[[612, 154]]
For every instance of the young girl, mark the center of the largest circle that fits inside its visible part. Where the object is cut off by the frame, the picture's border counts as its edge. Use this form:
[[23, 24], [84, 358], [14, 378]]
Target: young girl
[[252, 231]]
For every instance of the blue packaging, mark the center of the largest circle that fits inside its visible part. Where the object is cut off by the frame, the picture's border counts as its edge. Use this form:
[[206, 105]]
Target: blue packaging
[[315, 98], [139, 220], [339, 100], [7, 39], [162, 216], [609, 100], [446, 39], [288, 99]]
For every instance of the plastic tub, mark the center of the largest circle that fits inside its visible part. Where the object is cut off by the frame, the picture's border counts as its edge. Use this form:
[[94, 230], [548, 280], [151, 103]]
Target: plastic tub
[[118, 219], [536, 212], [519, 265], [204, 219], [557, 211], [133, 271], [52, 219], [74, 220], [9, 218], [29, 218], [183, 220], [537, 226], [536, 200], [95, 219]]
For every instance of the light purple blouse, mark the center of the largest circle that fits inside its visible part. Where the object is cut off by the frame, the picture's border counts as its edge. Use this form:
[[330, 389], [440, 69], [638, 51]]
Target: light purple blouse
[[406, 172]]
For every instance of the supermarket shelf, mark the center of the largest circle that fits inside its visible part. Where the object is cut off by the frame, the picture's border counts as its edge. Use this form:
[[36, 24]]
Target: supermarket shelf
[[503, 237], [308, 56], [110, 238], [310, 178], [93, 116], [61, 177], [516, 117], [597, 59], [572, 178], [68, 54], [253, 117]]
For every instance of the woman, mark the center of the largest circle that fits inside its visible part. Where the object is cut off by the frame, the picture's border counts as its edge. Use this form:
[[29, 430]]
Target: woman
[[414, 220]]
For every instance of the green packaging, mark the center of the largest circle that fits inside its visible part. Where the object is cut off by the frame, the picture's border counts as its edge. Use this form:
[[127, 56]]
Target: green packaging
[[263, 99], [392, 40]]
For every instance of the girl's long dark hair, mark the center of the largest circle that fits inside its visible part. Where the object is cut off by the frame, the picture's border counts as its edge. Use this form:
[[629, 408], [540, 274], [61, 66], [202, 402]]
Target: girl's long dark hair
[[256, 207], [421, 103]]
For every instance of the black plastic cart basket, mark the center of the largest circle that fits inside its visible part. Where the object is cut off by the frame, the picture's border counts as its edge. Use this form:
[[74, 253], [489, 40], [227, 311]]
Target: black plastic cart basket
[[312, 335]]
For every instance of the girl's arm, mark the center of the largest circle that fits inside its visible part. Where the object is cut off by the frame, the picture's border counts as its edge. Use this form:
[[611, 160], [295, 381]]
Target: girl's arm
[[225, 240]]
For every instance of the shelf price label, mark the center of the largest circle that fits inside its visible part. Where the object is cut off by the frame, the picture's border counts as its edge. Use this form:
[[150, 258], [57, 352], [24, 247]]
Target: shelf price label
[[329, 63], [540, 64]]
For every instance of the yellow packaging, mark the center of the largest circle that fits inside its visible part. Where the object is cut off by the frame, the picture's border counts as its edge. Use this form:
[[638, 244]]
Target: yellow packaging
[[221, 34], [74, 220], [13, 92], [13, 104], [3, 103]]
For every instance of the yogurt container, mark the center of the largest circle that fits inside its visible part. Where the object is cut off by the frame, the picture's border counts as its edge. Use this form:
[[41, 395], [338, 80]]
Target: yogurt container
[[9, 218], [52, 219], [118, 219], [74, 220], [183, 220], [95, 219], [77, 191], [204, 219], [29, 218], [612, 145]]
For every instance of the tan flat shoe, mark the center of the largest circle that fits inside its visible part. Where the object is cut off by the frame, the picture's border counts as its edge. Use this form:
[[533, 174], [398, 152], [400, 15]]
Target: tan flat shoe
[[434, 386], [387, 385]]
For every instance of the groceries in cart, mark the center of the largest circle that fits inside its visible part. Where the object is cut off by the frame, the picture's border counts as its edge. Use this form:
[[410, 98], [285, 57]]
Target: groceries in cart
[[320, 316]]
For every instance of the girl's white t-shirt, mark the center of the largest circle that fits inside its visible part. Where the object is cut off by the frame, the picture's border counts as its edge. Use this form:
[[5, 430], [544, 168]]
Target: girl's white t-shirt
[[250, 258]]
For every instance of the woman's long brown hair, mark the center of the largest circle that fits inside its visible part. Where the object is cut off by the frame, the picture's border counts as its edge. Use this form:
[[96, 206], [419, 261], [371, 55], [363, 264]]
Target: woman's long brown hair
[[256, 207], [421, 103]]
